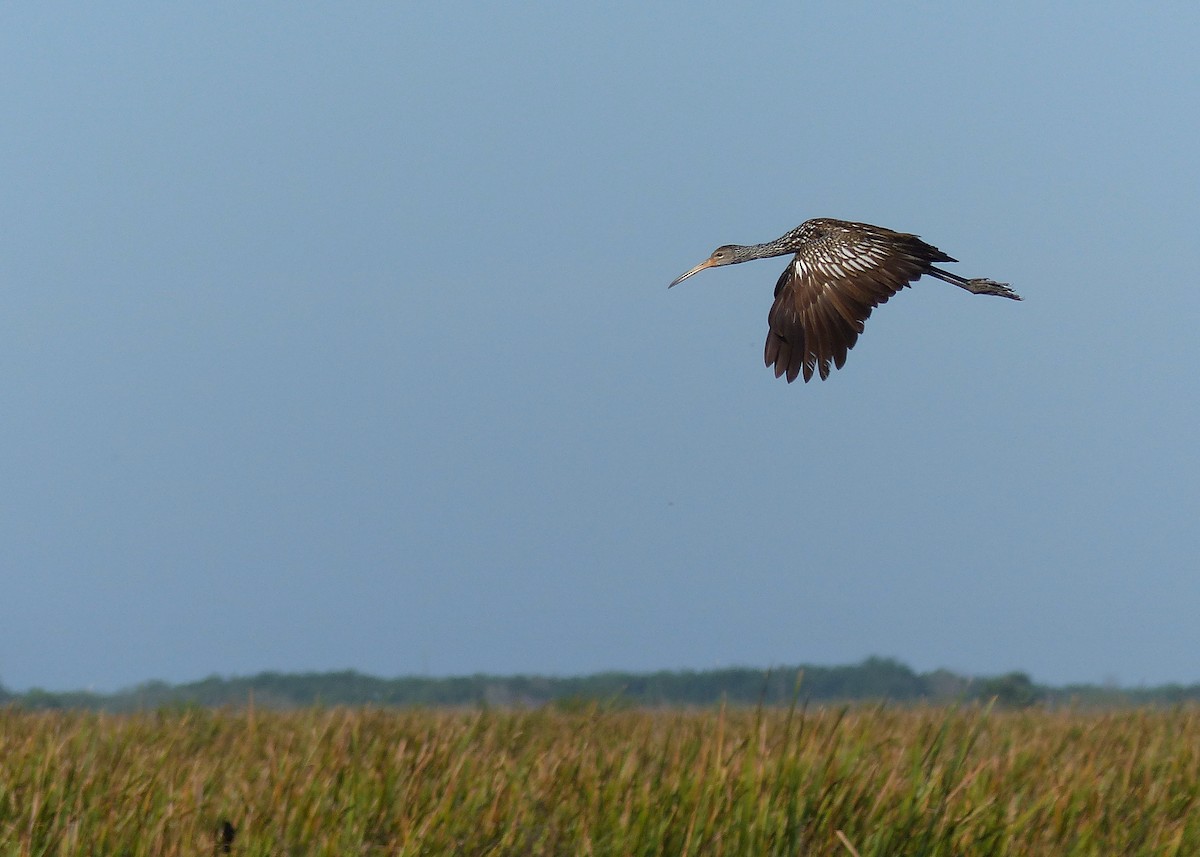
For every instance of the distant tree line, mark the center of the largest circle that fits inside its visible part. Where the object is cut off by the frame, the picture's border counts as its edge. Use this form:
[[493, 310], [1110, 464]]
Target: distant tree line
[[875, 679]]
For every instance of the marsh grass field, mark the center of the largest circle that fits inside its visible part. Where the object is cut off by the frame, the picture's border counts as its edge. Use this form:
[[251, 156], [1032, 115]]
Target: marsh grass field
[[862, 780]]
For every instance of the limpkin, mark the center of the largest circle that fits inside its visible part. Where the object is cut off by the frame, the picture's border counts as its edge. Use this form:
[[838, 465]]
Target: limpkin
[[841, 271]]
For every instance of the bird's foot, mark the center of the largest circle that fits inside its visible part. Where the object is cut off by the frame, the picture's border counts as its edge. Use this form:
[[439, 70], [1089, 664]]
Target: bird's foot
[[991, 287]]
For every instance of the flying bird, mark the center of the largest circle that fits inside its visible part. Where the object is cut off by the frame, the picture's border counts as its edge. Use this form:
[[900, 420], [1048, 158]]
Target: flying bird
[[840, 272]]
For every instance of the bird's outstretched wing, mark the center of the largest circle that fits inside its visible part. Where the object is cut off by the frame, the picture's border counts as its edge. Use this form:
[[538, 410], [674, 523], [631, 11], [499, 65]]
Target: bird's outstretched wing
[[842, 272]]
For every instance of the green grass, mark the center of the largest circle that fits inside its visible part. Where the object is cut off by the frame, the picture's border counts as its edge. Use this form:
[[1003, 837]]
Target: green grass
[[871, 781]]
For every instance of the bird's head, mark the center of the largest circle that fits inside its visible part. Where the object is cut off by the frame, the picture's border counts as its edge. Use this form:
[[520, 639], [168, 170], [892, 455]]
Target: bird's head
[[723, 255]]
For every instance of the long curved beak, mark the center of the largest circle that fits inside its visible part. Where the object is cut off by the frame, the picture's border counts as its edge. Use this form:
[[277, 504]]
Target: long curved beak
[[707, 263]]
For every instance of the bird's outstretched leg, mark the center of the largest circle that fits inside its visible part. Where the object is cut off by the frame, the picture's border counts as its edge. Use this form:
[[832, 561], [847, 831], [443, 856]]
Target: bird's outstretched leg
[[979, 286]]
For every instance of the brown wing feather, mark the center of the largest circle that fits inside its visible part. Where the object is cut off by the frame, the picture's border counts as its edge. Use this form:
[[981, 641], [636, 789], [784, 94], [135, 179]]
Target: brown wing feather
[[841, 272]]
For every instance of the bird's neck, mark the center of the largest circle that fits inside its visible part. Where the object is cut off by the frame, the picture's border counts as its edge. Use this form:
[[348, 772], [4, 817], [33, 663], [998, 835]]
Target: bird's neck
[[744, 253]]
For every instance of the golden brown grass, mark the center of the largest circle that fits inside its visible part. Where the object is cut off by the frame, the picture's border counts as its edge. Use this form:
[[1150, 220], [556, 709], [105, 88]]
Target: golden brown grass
[[871, 781]]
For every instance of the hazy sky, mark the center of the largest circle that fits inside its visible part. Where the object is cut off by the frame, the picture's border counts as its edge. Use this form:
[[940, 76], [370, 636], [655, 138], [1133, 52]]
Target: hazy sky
[[338, 336]]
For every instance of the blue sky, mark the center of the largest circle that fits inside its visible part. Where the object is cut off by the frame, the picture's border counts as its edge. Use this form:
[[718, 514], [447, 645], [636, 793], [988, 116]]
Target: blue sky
[[338, 337]]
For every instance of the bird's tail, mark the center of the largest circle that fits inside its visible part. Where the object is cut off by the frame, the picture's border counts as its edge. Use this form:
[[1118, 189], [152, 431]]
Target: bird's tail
[[979, 286]]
